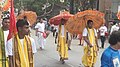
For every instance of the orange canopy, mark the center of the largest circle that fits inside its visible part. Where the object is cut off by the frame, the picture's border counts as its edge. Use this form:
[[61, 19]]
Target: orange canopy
[[30, 16], [77, 23], [56, 20]]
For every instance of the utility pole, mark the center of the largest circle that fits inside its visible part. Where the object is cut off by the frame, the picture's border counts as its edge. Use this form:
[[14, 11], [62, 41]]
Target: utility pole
[[72, 6]]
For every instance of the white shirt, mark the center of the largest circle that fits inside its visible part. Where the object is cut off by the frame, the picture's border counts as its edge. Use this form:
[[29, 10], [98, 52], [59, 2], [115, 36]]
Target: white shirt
[[22, 43], [114, 28], [63, 30], [102, 30], [5, 40], [85, 33], [40, 26], [10, 46]]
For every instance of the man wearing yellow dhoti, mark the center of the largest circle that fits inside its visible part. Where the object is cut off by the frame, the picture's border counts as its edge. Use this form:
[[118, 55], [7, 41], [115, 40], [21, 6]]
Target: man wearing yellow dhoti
[[90, 45], [62, 46], [4, 30], [21, 48]]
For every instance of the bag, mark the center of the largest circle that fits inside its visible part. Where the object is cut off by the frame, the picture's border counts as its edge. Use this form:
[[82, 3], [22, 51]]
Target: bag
[[106, 33], [44, 35]]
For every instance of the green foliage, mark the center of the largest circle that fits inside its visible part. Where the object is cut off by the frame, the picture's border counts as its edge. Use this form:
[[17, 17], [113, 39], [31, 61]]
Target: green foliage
[[37, 5]]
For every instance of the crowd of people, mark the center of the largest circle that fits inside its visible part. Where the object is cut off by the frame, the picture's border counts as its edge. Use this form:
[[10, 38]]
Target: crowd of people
[[19, 51], [89, 41]]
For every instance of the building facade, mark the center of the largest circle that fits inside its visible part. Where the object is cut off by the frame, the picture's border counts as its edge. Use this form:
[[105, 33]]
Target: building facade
[[110, 8]]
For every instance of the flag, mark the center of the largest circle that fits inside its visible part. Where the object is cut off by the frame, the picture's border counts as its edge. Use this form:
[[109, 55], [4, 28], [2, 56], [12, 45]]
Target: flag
[[12, 29]]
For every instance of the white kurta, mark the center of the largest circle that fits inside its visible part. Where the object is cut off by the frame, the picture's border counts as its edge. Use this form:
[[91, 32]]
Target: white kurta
[[10, 46], [5, 40], [114, 28], [41, 29], [63, 31], [102, 30], [85, 33]]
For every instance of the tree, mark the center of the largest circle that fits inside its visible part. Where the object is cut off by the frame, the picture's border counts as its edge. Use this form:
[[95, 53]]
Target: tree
[[86, 4], [49, 8], [41, 7]]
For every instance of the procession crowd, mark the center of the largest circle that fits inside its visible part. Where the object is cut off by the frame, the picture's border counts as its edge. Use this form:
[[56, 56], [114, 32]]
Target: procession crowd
[[20, 49]]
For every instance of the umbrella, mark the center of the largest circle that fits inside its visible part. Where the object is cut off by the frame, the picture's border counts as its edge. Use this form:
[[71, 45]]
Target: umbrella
[[77, 23], [118, 15], [29, 15], [56, 20]]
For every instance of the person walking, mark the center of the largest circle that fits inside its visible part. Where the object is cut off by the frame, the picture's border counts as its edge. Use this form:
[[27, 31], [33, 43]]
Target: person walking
[[40, 28], [62, 46], [111, 56], [4, 31], [114, 27], [21, 48], [103, 30], [90, 45]]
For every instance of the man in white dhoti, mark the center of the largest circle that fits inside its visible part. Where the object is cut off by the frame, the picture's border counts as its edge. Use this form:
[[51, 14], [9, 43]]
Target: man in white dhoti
[[40, 28]]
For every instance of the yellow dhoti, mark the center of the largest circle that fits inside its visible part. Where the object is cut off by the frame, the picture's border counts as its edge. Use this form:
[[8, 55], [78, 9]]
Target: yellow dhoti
[[63, 48], [90, 56]]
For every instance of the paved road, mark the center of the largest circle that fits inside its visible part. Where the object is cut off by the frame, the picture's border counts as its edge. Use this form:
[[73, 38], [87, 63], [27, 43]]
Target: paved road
[[49, 56]]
